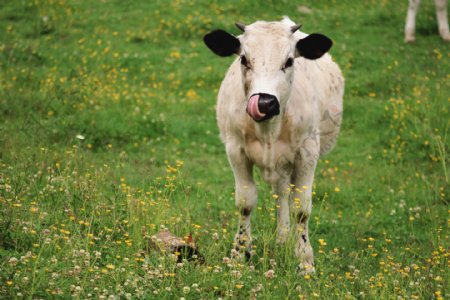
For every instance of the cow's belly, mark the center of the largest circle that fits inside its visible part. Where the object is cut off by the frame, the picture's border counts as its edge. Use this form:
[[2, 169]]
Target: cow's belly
[[276, 161]]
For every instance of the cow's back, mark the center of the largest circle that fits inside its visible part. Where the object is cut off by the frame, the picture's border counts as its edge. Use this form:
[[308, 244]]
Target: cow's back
[[231, 102], [317, 97]]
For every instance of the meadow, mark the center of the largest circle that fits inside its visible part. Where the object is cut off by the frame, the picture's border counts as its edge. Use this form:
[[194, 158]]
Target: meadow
[[108, 134]]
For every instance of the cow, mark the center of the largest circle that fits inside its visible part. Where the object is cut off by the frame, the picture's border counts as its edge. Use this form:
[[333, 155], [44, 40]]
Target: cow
[[279, 108], [441, 15]]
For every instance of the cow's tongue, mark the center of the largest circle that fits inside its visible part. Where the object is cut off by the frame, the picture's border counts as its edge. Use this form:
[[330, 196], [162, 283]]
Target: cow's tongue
[[253, 109]]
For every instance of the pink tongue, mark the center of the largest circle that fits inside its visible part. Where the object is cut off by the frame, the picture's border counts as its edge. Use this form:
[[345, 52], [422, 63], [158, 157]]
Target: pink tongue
[[252, 108]]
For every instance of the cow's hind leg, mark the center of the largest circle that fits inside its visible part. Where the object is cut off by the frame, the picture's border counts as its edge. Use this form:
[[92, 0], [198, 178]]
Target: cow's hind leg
[[410, 26], [245, 197], [301, 203], [282, 191], [441, 14]]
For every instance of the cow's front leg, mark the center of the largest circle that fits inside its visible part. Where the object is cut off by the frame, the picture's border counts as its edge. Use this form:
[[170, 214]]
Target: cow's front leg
[[245, 197], [301, 205]]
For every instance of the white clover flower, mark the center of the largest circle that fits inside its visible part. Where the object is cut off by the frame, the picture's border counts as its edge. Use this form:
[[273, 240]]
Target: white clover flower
[[13, 261], [270, 274]]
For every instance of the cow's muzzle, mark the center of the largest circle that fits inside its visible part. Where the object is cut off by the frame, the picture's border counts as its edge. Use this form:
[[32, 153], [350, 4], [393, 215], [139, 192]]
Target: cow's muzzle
[[263, 107]]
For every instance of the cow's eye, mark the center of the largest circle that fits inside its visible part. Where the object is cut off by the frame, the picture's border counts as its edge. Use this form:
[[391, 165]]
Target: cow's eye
[[244, 61], [288, 63]]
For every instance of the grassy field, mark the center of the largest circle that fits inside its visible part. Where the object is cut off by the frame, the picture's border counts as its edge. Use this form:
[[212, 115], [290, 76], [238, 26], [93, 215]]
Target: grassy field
[[108, 133]]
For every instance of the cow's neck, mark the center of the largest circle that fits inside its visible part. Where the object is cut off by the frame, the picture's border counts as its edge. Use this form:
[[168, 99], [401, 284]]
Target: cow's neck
[[268, 132]]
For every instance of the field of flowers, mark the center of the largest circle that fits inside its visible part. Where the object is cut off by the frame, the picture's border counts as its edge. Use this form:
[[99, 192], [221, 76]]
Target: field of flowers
[[108, 135]]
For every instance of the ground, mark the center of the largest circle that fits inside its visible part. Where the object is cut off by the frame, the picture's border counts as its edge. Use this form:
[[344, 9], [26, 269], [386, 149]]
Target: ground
[[108, 133]]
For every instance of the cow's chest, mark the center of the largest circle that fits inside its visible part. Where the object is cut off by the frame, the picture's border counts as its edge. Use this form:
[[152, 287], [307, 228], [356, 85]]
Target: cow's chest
[[275, 160]]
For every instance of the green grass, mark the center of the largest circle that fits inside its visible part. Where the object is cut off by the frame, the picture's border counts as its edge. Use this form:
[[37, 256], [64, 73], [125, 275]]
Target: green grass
[[108, 133]]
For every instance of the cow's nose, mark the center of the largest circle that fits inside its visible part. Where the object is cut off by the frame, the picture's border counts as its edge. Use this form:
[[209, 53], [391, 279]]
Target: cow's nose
[[268, 105]]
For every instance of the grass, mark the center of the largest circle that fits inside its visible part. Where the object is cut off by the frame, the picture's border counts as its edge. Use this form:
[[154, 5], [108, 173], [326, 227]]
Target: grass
[[108, 134]]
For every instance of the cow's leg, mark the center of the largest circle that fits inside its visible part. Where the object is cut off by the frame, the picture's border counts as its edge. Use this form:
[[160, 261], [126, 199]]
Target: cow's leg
[[282, 190], [245, 196], [301, 205], [410, 26], [441, 14]]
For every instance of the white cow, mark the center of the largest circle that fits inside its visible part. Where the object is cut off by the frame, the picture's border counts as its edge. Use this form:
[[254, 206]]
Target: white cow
[[441, 15], [279, 108]]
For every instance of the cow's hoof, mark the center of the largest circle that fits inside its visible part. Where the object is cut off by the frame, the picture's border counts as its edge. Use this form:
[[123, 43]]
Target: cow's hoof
[[282, 238], [410, 38], [244, 254], [247, 255], [305, 269], [445, 37]]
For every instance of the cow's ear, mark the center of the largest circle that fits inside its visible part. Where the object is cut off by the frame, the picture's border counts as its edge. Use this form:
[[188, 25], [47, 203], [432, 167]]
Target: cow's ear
[[313, 46], [222, 43]]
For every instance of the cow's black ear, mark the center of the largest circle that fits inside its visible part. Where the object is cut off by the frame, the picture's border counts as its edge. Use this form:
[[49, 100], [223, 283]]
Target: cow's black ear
[[314, 46], [222, 43]]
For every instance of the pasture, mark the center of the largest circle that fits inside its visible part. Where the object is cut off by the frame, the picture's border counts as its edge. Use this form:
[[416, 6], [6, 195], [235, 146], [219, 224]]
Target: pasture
[[108, 134]]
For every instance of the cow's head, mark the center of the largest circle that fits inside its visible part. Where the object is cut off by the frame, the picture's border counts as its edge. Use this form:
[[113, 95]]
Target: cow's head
[[267, 51]]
